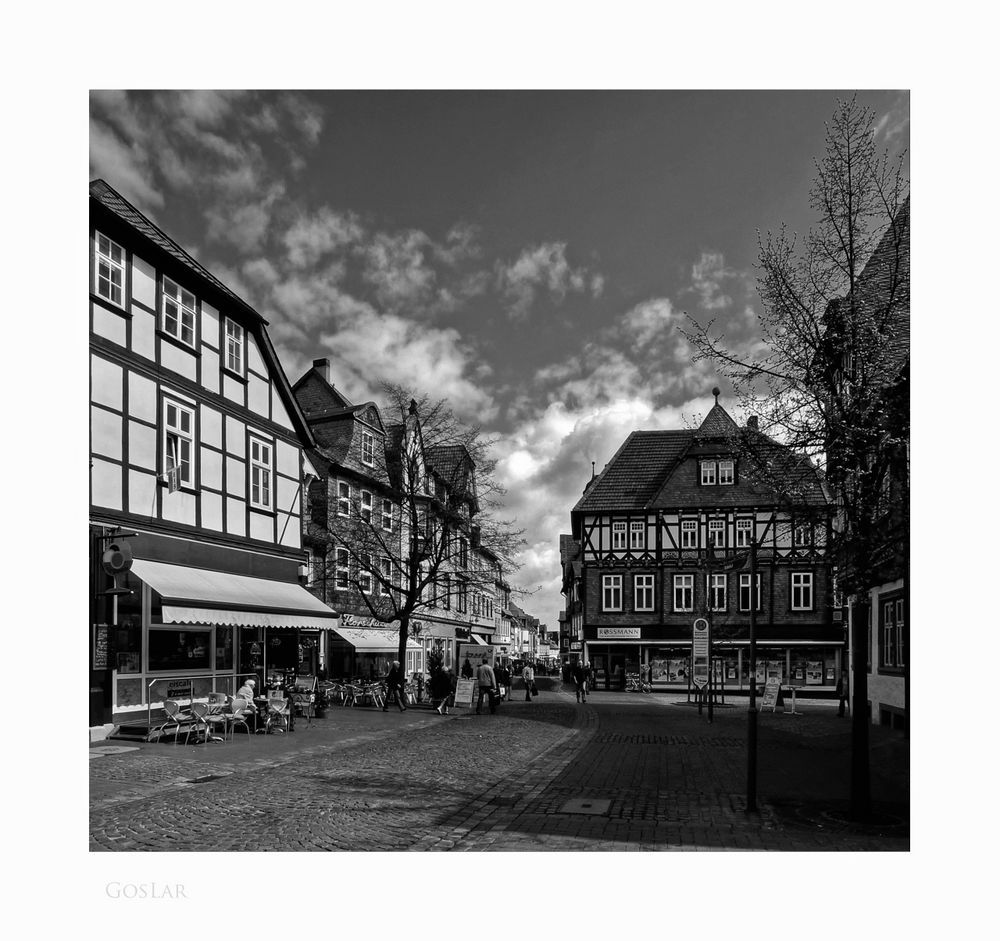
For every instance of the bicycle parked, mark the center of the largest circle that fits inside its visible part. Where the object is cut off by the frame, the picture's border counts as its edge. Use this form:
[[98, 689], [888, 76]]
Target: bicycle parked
[[636, 684]]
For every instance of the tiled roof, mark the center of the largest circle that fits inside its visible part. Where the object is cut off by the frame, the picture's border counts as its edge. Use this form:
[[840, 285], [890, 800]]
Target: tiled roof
[[121, 207], [633, 476], [717, 424]]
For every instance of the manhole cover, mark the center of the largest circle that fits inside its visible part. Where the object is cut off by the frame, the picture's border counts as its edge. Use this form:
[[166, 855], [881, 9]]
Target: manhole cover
[[586, 805], [101, 750]]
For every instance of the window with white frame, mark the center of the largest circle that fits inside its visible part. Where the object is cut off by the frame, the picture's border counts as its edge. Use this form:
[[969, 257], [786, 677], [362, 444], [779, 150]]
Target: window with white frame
[[386, 583], [683, 592], [707, 473], [745, 592], [716, 585], [234, 346], [387, 515], [342, 568], [110, 270], [637, 535], [446, 597], [802, 591], [179, 312], [366, 506], [726, 473], [892, 652], [612, 594], [260, 473], [343, 498], [367, 448], [643, 592], [365, 572], [717, 534], [178, 440], [743, 530], [689, 534], [618, 535]]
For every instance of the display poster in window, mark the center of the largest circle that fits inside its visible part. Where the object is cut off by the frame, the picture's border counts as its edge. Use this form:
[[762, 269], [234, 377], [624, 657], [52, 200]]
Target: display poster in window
[[814, 673], [700, 646], [101, 645]]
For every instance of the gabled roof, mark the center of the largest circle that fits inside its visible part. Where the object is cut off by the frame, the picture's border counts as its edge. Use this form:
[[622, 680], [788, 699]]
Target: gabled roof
[[633, 476]]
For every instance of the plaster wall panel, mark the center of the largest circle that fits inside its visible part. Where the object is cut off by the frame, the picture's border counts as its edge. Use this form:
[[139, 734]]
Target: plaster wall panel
[[211, 426], [236, 522], [236, 477], [209, 325], [105, 433], [258, 395], [211, 468], [143, 282], [236, 437], [143, 333], [141, 493], [209, 368], [180, 507], [142, 445], [179, 360], [105, 382], [109, 325], [106, 484], [211, 510], [141, 397], [262, 526], [233, 389], [288, 460]]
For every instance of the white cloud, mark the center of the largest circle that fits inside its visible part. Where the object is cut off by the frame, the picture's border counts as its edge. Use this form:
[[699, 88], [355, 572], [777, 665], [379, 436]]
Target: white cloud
[[708, 275], [324, 232], [543, 268]]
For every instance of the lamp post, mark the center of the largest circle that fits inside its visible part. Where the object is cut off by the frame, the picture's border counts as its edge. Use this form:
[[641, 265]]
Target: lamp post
[[752, 711]]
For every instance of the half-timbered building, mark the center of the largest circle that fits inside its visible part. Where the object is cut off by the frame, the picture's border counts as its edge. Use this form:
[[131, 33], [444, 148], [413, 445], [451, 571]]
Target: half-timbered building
[[665, 533], [196, 470]]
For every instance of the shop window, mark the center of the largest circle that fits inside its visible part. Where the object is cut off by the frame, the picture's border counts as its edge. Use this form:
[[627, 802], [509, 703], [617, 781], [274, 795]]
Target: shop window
[[110, 273], [726, 473], [802, 591], [743, 531], [223, 648], [612, 592], [637, 535], [745, 592], [180, 651], [717, 534], [617, 535], [683, 592], [644, 592], [179, 309], [689, 534], [716, 585], [707, 473]]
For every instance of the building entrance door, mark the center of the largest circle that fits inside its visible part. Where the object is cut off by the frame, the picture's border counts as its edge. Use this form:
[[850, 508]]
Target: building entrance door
[[616, 674]]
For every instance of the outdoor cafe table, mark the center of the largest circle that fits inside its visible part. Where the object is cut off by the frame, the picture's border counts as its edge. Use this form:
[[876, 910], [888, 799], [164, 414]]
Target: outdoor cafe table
[[261, 703]]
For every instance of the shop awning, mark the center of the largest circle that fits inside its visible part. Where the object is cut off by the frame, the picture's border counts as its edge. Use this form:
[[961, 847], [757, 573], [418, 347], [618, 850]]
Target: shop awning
[[204, 596], [373, 640], [476, 639]]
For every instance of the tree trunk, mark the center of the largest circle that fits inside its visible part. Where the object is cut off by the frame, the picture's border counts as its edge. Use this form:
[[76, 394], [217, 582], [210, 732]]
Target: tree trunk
[[861, 800], [404, 630]]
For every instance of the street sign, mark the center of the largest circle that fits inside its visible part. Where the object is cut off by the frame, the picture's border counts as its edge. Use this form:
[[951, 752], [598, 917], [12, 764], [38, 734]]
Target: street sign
[[700, 647]]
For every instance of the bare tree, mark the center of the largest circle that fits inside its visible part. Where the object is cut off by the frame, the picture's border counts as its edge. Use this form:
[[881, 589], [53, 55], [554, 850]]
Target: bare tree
[[830, 376], [445, 547]]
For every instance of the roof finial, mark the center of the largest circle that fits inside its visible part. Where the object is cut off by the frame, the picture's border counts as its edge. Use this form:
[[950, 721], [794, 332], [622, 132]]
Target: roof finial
[[716, 392]]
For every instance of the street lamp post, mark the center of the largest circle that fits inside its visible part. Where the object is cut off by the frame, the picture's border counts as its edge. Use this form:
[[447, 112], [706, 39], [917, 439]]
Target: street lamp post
[[752, 711]]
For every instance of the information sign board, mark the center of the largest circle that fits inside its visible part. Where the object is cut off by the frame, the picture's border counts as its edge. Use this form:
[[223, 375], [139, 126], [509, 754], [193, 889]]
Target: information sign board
[[101, 644], [463, 692], [771, 689], [700, 646]]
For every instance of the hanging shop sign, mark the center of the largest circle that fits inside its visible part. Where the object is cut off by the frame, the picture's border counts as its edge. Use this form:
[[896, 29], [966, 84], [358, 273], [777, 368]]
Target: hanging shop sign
[[619, 633], [701, 642]]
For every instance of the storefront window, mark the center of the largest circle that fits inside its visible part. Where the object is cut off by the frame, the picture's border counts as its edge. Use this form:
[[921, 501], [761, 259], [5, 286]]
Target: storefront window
[[223, 648], [180, 650], [128, 632]]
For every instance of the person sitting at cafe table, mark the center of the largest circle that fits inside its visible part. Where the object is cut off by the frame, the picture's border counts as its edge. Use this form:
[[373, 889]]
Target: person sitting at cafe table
[[246, 691]]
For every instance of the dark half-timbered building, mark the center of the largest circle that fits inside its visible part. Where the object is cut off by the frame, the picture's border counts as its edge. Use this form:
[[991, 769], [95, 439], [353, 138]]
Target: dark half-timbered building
[[665, 533]]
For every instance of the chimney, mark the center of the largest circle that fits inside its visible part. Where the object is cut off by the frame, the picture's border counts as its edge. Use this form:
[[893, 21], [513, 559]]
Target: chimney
[[752, 423], [322, 366]]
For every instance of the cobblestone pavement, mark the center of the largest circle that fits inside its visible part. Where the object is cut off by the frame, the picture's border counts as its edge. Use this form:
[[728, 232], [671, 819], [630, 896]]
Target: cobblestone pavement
[[654, 773]]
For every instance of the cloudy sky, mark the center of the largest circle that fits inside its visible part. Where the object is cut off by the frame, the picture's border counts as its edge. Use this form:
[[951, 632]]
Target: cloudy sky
[[528, 255]]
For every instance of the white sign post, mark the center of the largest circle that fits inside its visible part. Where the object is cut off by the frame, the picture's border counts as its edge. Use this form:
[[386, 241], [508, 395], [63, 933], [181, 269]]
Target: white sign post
[[700, 648]]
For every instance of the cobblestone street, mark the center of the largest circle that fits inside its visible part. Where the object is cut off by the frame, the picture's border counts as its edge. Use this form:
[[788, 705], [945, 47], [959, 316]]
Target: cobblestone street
[[625, 772]]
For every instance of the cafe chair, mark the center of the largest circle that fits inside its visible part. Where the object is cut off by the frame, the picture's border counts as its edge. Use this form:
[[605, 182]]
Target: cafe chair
[[237, 717], [204, 720], [175, 719], [277, 714]]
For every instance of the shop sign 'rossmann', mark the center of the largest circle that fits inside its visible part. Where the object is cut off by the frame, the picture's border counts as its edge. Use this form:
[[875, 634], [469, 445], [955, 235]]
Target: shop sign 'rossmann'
[[619, 633]]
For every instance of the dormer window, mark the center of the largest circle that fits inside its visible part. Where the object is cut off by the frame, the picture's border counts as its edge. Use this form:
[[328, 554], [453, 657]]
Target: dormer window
[[367, 448], [708, 473], [726, 473]]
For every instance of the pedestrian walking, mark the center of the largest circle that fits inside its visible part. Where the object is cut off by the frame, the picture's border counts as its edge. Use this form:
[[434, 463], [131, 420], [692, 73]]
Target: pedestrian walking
[[440, 690], [487, 681], [528, 675], [580, 673], [394, 688], [843, 688]]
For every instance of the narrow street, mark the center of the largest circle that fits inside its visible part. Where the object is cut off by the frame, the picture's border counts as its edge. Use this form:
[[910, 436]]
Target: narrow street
[[626, 771]]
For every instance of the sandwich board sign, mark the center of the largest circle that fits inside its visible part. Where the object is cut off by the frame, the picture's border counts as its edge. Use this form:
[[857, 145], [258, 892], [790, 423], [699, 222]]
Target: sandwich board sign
[[463, 692], [700, 647], [771, 692]]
